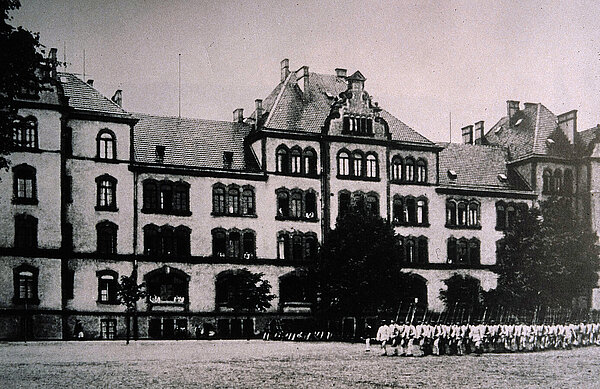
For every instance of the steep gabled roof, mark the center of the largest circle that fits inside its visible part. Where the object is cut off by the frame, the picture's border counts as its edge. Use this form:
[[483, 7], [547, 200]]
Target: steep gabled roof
[[192, 142], [290, 109], [83, 96]]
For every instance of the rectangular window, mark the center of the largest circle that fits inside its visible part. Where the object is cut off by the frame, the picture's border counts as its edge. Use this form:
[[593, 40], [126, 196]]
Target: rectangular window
[[108, 328], [24, 188]]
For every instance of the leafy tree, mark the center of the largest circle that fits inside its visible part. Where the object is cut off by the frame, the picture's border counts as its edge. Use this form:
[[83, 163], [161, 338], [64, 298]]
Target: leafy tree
[[548, 258], [359, 268], [249, 292], [462, 292], [129, 293]]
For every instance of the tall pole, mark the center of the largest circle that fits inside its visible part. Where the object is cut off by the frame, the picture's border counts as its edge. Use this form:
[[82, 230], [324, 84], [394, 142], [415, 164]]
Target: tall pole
[[179, 83], [83, 64], [450, 129]]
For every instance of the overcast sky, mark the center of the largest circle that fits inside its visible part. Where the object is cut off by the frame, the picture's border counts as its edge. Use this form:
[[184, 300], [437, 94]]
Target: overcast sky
[[422, 59]]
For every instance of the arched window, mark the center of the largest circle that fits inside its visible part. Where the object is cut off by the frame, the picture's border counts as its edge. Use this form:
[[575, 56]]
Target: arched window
[[400, 248], [167, 240], [296, 205], [167, 285], [293, 288], [396, 168], [150, 195], [310, 210], [106, 193], [282, 159], [357, 164], [297, 247], [358, 201], [248, 201], [461, 213], [26, 284], [371, 166], [568, 182], [151, 240], [411, 251], [106, 242], [558, 181], [26, 232], [450, 213], [310, 246], [106, 144], [283, 245], [107, 286], [500, 215], [343, 203], [473, 219], [182, 241], [219, 243], [511, 214], [452, 250], [218, 199], [181, 198], [422, 211], [398, 210], [233, 200], [411, 210], [462, 251], [421, 170], [310, 162], [423, 256], [343, 164], [25, 133], [166, 196], [547, 181], [283, 204], [409, 170], [249, 245], [372, 204], [24, 184], [474, 252], [234, 242], [296, 160]]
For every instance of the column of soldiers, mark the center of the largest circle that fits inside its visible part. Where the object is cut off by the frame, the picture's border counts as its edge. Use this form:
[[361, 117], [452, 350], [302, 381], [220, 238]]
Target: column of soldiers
[[427, 338]]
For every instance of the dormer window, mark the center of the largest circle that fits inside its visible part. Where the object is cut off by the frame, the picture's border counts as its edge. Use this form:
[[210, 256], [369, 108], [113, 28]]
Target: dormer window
[[452, 174], [160, 154], [518, 122], [502, 177], [227, 159], [357, 125]]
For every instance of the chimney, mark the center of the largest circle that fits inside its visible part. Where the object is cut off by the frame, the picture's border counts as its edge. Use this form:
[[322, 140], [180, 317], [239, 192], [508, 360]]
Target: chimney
[[285, 69], [118, 97], [302, 79], [511, 108], [53, 63], [258, 109], [478, 134], [467, 135], [90, 82], [340, 72], [567, 122], [238, 115]]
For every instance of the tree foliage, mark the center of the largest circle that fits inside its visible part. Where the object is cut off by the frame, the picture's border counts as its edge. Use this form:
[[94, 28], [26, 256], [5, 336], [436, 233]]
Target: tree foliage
[[21, 75], [359, 268], [249, 292], [548, 258], [129, 292]]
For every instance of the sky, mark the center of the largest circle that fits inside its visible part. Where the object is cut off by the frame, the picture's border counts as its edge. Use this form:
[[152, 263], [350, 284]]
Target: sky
[[425, 61]]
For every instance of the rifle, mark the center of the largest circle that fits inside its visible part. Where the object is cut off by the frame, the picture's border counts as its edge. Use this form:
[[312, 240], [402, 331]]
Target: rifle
[[484, 313], [398, 312]]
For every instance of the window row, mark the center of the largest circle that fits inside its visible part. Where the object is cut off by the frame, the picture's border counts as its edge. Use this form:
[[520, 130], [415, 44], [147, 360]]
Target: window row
[[166, 197], [357, 125], [296, 161], [233, 244], [297, 246], [362, 202], [409, 211], [464, 251], [166, 240], [233, 200], [358, 164], [296, 204], [554, 182], [407, 170], [508, 213], [412, 249], [462, 213], [25, 133]]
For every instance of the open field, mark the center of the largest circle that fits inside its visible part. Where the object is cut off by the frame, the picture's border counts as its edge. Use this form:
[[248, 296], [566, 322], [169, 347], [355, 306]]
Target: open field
[[258, 364]]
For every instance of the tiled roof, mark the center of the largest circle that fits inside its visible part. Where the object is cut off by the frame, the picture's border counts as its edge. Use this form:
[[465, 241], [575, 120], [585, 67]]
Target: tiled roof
[[289, 110], [191, 142], [84, 97], [476, 166], [587, 137]]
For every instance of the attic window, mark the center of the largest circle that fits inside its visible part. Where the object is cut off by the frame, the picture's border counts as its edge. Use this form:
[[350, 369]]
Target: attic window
[[518, 122], [549, 142], [452, 174], [227, 159], [160, 154], [64, 79], [502, 177], [497, 130]]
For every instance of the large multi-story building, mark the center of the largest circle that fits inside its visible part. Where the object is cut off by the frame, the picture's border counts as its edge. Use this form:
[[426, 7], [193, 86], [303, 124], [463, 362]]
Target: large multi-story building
[[94, 192]]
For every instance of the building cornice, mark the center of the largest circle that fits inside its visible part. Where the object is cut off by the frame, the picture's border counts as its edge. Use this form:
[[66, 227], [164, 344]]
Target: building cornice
[[486, 192]]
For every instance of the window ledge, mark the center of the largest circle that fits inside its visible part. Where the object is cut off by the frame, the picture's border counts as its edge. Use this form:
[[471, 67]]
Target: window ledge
[[106, 209], [107, 160], [300, 219], [25, 201], [355, 178], [453, 227], [399, 224], [24, 149], [403, 182], [353, 133], [288, 174], [161, 212], [232, 215]]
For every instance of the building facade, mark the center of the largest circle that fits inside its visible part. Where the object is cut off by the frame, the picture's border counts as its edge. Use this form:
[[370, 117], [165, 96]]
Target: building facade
[[94, 192]]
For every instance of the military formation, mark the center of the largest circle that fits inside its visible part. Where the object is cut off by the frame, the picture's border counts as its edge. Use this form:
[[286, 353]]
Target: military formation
[[426, 338]]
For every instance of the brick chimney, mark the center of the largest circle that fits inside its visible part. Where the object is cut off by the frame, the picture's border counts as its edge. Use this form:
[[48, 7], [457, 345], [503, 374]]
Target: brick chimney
[[478, 133], [567, 122], [258, 109], [302, 79], [118, 97], [467, 135], [341, 72], [53, 63], [285, 69], [238, 115], [512, 107]]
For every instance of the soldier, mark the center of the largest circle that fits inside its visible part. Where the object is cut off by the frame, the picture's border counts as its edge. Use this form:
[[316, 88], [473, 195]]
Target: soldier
[[383, 336]]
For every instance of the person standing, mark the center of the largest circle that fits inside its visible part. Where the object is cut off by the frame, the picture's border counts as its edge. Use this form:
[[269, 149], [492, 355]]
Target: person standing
[[383, 336]]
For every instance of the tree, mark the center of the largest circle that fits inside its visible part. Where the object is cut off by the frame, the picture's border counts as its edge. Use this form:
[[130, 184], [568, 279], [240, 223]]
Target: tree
[[548, 258], [129, 293], [21, 74], [359, 268], [463, 295], [248, 292]]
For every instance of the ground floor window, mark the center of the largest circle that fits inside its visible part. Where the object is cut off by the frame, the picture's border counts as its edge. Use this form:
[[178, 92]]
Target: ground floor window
[[108, 328], [235, 328], [167, 328]]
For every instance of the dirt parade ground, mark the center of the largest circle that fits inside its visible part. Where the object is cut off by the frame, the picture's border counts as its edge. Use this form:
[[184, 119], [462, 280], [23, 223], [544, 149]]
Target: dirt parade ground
[[260, 364]]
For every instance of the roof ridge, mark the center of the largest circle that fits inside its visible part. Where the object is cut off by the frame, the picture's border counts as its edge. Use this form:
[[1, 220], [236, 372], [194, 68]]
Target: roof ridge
[[185, 118], [537, 125]]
